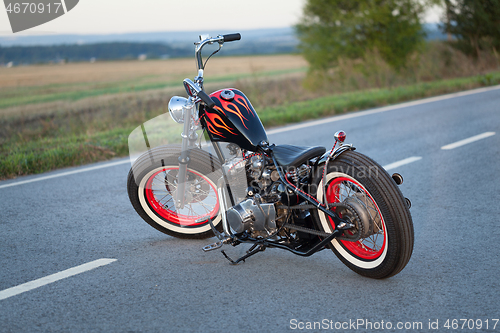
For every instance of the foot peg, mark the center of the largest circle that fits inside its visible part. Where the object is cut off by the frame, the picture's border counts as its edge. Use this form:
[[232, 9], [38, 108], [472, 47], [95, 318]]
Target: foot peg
[[213, 246], [222, 238]]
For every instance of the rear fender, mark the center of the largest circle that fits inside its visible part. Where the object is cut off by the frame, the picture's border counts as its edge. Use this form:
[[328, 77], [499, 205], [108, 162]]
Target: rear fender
[[322, 160]]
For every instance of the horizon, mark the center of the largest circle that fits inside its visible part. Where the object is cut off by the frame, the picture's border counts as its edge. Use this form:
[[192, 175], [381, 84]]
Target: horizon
[[168, 37], [150, 16]]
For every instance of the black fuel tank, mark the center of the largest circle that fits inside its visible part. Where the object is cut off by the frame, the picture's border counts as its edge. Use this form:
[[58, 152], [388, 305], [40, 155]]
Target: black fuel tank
[[233, 119]]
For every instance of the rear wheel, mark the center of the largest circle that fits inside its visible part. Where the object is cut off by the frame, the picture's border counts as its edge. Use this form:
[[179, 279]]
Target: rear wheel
[[381, 244], [152, 185]]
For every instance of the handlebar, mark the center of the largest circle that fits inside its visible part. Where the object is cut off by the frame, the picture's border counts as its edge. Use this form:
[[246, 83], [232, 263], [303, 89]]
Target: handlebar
[[198, 85], [206, 99], [204, 40], [231, 37], [195, 90]]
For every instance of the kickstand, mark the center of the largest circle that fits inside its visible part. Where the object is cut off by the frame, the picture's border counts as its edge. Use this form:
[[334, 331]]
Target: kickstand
[[250, 253]]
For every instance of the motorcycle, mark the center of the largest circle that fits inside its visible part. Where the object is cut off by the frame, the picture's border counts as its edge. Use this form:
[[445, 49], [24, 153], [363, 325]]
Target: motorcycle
[[208, 169]]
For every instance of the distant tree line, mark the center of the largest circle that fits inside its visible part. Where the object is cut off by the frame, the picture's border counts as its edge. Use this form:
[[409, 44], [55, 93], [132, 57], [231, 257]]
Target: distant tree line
[[86, 52], [125, 50]]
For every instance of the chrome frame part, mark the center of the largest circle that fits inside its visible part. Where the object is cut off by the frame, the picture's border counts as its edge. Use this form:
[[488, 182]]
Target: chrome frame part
[[188, 109], [222, 208], [332, 156]]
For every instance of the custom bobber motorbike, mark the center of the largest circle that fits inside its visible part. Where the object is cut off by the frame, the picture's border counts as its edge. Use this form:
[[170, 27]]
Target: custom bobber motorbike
[[208, 169]]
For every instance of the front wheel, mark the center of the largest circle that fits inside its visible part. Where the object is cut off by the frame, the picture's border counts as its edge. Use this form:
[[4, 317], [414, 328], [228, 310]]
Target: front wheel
[[152, 185], [381, 243]]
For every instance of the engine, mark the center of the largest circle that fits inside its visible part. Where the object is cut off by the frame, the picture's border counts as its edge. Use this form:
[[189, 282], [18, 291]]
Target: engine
[[256, 188], [250, 215]]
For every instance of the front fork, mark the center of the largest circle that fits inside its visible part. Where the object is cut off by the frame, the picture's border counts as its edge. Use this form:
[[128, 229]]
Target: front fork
[[189, 138]]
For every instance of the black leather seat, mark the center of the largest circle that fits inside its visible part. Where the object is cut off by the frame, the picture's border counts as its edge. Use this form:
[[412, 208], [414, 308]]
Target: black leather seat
[[288, 155]]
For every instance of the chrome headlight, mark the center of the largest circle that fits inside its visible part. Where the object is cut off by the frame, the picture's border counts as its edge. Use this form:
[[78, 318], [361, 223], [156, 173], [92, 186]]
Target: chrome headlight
[[175, 108]]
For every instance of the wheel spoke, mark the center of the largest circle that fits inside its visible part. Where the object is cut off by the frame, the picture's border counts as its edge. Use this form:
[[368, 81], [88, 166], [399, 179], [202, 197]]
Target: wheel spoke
[[159, 200], [201, 196], [204, 205]]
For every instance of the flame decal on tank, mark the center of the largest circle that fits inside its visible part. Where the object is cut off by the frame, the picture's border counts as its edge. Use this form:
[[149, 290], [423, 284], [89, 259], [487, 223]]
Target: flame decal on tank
[[228, 106], [242, 101], [216, 122]]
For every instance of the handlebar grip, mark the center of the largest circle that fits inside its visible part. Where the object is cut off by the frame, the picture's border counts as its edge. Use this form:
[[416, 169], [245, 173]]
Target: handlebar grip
[[231, 37], [206, 99]]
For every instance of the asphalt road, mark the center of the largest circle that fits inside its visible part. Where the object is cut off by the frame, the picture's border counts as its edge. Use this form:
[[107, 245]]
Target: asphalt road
[[156, 283]]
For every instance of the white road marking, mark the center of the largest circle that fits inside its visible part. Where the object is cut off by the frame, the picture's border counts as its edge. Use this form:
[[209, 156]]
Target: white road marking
[[100, 166], [380, 110], [402, 162], [467, 141], [53, 278]]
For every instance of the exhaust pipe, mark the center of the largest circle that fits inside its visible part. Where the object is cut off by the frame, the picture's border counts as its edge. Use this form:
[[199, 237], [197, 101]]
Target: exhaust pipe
[[397, 178]]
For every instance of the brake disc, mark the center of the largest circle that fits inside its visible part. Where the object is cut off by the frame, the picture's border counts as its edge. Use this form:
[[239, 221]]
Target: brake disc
[[358, 209], [349, 213]]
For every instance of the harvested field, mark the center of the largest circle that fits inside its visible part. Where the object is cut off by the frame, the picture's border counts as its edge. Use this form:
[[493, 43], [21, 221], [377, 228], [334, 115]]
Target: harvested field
[[150, 71], [32, 90]]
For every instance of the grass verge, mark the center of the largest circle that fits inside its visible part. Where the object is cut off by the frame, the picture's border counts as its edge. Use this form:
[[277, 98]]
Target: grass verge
[[44, 154], [47, 154]]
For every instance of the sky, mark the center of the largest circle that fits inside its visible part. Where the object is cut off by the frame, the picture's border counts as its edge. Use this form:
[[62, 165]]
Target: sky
[[124, 16]]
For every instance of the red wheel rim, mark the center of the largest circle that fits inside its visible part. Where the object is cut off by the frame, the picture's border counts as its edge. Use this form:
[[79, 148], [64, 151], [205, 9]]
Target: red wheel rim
[[369, 248], [161, 201]]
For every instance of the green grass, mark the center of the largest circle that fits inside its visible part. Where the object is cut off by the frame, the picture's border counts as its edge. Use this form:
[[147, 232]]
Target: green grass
[[52, 153], [19, 157]]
